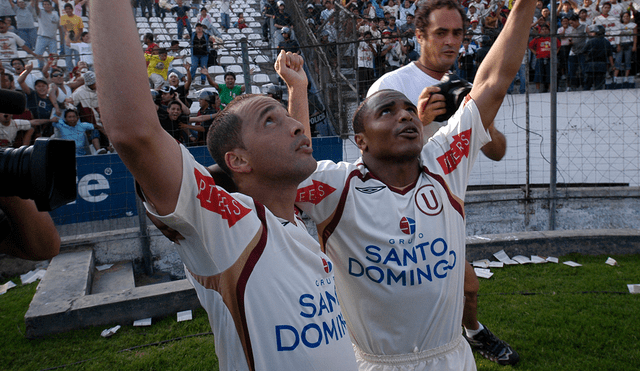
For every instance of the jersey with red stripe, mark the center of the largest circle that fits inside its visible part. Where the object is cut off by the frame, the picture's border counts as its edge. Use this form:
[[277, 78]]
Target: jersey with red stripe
[[265, 283], [399, 254]]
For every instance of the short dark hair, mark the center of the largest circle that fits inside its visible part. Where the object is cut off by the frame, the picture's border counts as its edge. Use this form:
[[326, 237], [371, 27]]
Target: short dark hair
[[148, 36], [19, 60], [225, 133], [229, 73], [69, 111], [427, 7], [174, 102], [358, 116], [67, 5]]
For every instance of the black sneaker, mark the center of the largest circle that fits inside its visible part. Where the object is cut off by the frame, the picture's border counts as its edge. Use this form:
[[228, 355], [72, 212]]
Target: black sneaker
[[492, 348]]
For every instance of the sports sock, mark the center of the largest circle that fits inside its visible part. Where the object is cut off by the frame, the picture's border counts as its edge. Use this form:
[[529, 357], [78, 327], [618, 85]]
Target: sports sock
[[472, 333]]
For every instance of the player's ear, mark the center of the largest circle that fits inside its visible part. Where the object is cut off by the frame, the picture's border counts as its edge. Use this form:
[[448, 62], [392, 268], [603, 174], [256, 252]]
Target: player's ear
[[237, 161], [361, 142]]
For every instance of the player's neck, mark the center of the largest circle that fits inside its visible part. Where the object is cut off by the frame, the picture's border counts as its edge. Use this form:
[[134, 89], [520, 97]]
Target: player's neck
[[278, 198], [436, 74], [393, 172]]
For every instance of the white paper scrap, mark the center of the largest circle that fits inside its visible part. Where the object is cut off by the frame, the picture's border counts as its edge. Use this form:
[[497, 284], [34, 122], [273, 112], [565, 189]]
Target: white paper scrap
[[484, 263], [104, 267], [483, 273], [572, 263], [109, 332], [32, 276], [4, 288], [634, 289], [552, 259], [184, 316], [496, 264], [611, 261], [535, 259], [142, 322], [522, 259], [503, 257]]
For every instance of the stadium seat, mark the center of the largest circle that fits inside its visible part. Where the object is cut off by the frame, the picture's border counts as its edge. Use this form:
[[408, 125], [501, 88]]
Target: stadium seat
[[239, 79], [219, 79], [261, 78], [227, 59], [261, 59], [216, 70], [255, 89], [254, 36], [234, 68]]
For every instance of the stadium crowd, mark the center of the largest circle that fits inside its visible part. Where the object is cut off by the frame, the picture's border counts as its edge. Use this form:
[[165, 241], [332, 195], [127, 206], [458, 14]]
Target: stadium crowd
[[596, 49]]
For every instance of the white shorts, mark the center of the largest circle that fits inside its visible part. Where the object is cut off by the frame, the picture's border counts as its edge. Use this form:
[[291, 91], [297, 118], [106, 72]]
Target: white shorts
[[455, 356]]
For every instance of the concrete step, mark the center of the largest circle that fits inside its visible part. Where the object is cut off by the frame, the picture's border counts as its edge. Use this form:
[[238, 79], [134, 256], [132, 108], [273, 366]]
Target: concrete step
[[115, 279]]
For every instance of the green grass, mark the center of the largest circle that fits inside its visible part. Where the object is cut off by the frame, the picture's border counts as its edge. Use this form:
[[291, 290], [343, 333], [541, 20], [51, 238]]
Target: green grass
[[555, 316]]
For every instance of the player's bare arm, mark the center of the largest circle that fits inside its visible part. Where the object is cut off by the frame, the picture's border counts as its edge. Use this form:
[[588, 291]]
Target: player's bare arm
[[503, 61], [289, 67], [130, 119]]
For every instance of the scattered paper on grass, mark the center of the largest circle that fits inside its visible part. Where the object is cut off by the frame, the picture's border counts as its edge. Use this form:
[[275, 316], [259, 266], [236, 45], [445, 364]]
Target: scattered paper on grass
[[572, 263], [32, 276], [496, 264], [483, 273], [184, 316], [522, 259], [634, 289], [104, 267], [142, 322], [109, 332], [552, 259], [535, 259], [611, 261], [484, 263], [4, 288], [503, 257]]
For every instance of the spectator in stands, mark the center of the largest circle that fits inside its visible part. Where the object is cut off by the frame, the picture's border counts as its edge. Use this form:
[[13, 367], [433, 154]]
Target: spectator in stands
[[160, 11], [628, 41], [409, 53], [407, 8], [18, 68], [9, 129], [369, 12], [71, 128], [577, 41], [541, 48], [588, 11], [288, 44], [83, 49], [483, 50], [408, 29], [26, 22], [314, 15], [158, 67], [169, 94], [38, 102], [73, 27], [545, 18], [241, 23], [598, 55], [200, 42], [282, 18], [152, 47], [174, 123], [10, 43], [328, 11], [521, 74], [475, 32], [366, 56], [145, 8], [269, 10], [60, 92], [565, 47], [329, 48], [86, 95], [610, 24], [48, 25], [224, 15], [466, 57], [472, 12], [392, 8], [205, 19], [229, 90], [209, 108], [393, 28], [182, 17], [181, 90]]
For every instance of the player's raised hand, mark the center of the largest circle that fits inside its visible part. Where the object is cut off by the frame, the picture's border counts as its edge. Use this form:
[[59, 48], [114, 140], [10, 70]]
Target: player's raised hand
[[289, 67]]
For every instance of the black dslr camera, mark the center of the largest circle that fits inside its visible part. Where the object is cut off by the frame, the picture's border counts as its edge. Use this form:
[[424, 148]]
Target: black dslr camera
[[454, 90]]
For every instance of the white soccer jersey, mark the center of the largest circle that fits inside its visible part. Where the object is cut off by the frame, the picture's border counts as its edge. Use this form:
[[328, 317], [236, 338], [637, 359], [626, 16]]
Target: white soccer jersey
[[266, 285], [399, 254]]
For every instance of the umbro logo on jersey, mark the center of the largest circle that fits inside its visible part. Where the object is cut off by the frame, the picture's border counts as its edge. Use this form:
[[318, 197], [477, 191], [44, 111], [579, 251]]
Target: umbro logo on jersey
[[370, 190], [328, 267], [407, 225]]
